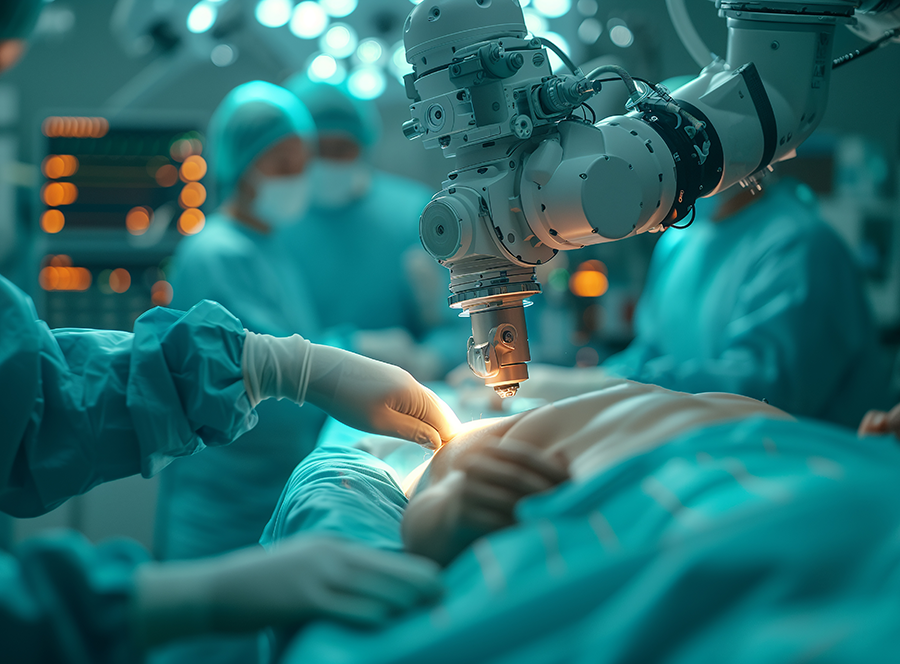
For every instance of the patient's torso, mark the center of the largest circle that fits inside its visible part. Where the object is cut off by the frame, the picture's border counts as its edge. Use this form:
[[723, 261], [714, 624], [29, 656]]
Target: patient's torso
[[595, 431]]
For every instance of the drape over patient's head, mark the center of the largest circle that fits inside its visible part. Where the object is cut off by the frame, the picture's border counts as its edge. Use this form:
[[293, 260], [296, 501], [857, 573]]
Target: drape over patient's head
[[252, 118]]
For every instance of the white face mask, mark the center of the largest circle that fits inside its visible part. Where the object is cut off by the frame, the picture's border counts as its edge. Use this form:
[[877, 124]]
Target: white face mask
[[281, 201], [339, 183]]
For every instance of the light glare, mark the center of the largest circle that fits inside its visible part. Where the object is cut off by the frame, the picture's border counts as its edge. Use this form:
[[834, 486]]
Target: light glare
[[552, 8], [370, 51], [308, 21], [339, 41], [535, 23], [621, 36], [273, 13], [339, 8], [589, 31], [366, 83], [202, 17], [327, 69]]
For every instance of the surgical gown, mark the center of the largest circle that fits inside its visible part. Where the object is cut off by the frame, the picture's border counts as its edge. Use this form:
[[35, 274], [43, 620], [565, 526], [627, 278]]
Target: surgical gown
[[82, 407], [768, 304]]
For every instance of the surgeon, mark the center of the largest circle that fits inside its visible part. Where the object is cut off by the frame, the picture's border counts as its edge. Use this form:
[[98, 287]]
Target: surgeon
[[757, 297], [82, 407], [262, 141], [377, 291]]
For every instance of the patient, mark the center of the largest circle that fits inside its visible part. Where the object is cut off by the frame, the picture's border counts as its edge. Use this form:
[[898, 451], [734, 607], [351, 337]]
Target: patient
[[472, 484]]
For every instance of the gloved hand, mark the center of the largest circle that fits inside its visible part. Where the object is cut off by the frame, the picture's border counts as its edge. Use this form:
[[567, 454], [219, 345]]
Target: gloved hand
[[878, 422], [360, 392], [306, 577]]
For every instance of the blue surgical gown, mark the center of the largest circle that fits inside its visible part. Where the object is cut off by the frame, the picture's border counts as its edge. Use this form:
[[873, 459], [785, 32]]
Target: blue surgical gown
[[82, 407], [354, 256], [768, 304]]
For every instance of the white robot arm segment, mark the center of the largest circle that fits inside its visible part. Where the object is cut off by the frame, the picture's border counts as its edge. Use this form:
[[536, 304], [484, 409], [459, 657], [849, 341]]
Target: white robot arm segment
[[530, 179]]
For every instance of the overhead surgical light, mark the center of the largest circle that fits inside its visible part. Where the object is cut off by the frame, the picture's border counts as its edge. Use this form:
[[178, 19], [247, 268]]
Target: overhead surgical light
[[366, 83], [273, 13], [339, 8], [553, 8], [621, 35], [588, 7], [202, 17], [398, 65], [535, 23], [308, 21], [326, 69], [369, 51], [340, 41], [223, 55], [590, 30]]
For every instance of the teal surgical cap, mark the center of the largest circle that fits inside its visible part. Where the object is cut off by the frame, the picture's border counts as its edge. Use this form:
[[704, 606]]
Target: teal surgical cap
[[335, 110], [18, 17], [252, 118]]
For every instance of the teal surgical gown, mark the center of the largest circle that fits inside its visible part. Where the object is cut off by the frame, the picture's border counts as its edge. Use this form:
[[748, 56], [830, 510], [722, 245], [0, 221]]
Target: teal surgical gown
[[82, 407], [768, 304]]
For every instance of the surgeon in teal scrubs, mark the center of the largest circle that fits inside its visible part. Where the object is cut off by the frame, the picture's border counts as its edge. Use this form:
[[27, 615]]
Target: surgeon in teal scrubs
[[261, 141], [82, 407], [261, 144], [377, 291], [758, 297]]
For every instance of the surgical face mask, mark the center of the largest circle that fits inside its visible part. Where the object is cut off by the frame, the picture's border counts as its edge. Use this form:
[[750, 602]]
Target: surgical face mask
[[281, 201], [336, 184]]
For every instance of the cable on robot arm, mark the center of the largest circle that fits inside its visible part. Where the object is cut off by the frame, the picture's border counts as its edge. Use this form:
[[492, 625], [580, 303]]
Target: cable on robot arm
[[567, 61]]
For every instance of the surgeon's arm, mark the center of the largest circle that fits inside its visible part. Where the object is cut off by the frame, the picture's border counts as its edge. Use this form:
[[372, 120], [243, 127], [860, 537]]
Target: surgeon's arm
[[473, 491], [82, 407]]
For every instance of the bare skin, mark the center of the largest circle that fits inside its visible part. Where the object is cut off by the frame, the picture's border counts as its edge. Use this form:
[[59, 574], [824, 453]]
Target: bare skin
[[473, 482], [289, 156]]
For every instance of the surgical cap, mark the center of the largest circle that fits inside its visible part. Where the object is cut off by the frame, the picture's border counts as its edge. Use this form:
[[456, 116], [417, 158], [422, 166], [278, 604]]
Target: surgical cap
[[252, 118], [18, 18], [335, 110]]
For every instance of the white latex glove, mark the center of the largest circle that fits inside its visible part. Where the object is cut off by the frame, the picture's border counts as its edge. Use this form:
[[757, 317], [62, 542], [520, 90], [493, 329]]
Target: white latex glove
[[379, 398], [306, 577], [396, 345], [363, 393]]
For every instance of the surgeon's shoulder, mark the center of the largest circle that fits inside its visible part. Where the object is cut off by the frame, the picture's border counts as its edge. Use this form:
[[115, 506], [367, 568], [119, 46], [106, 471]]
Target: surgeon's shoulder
[[219, 240]]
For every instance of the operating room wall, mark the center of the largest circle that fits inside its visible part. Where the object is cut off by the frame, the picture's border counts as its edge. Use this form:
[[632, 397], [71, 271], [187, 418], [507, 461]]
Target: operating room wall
[[82, 67]]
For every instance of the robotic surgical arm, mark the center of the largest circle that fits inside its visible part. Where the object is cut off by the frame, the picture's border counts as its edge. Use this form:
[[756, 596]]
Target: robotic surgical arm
[[530, 179]]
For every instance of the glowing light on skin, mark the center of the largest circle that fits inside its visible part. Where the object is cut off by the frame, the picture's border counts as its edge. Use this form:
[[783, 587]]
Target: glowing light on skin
[[273, 13], [308, 20], [367, 83], [339, 41], [202, 17], [552, 8], [339, 8]]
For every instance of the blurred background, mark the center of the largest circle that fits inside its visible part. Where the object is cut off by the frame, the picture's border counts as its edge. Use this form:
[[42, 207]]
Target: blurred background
[[129, 86]]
